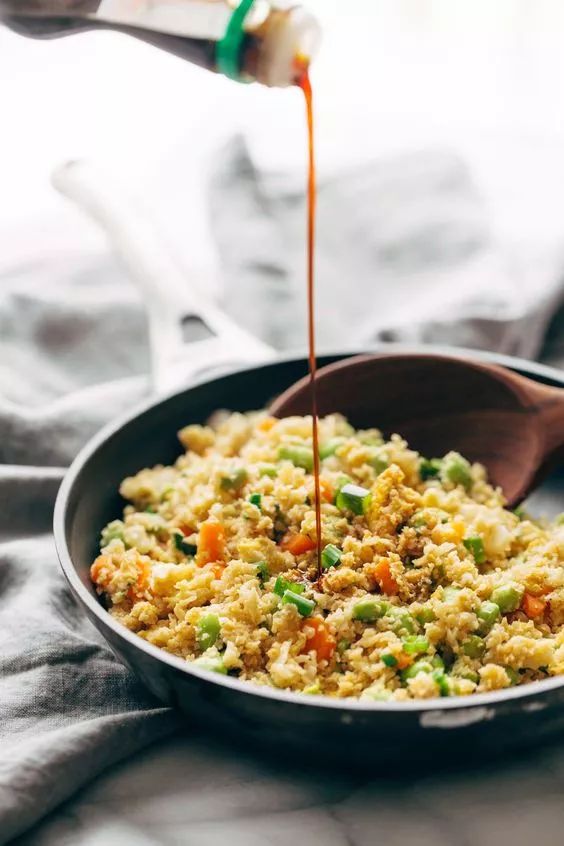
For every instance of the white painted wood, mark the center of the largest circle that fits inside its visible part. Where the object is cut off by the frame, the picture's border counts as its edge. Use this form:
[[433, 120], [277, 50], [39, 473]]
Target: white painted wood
[[170, 296]]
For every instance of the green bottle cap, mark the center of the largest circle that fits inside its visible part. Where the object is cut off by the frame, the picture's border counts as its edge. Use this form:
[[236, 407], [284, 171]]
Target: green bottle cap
[[229, 48]]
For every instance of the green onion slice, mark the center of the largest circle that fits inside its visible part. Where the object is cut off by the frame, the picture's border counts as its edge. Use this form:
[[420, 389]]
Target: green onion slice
[[282, 585], [304, 606], [475, 545], [331, 556], [353, 498]]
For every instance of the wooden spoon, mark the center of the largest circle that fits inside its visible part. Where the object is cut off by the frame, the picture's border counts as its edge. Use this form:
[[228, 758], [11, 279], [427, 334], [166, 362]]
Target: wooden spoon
[[510, 424]]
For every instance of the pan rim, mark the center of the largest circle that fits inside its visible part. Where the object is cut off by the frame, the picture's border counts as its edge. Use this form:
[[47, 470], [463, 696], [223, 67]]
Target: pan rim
[[437, 705]]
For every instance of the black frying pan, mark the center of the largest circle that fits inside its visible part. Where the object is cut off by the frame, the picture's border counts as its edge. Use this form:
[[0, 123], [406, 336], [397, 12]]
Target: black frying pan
[[88, 499], [450, 729]]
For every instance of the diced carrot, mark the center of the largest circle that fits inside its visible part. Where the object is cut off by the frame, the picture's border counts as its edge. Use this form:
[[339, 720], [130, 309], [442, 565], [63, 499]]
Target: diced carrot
[[533, 606], [135, 591], [211, 543], [322, 641], [404, 661], [266, 424], [383, 576], [103, 562], [298, 544], [326, 490]]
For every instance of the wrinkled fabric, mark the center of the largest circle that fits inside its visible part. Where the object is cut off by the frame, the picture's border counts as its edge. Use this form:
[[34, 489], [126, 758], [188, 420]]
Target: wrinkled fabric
[[405, 253], [68, 709]]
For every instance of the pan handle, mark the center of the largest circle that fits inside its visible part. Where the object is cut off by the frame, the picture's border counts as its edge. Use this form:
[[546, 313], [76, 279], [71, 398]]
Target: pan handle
[[189, 336]]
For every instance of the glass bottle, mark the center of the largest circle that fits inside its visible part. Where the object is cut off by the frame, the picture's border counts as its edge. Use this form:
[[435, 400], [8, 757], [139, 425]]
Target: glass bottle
[[252, 40]]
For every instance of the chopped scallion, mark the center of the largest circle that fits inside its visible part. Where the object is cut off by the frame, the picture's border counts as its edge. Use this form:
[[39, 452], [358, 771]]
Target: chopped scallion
[[488, 614], [353, 498], [474, 646], [207, 631], [369, 610], [475, 545], [282, 585], [457, 470], [421, 666], [330, 447], [414, 644], [507, 597], [300, 456], [402, 621], [331, 556], [234, 480], [256, 499], [305, 606], [425, 615], [469, 675], [441, 680], [262, 571]]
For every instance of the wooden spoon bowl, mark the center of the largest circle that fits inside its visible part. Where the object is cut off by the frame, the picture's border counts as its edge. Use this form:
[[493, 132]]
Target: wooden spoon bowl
[[510, 424]]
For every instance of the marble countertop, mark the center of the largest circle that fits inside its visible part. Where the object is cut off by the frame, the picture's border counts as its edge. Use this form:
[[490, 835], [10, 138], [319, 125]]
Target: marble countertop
[[190, 792]]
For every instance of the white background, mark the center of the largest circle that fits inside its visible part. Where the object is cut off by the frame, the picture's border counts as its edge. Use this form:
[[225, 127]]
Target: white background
[[486, 78]]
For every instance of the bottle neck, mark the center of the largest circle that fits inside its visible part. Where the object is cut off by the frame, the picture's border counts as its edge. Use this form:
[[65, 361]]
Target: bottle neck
[[250, 40]]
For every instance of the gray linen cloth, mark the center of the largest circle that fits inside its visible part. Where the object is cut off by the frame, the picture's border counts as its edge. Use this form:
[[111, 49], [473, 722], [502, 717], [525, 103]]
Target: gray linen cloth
[[68, 709], [405, 252]]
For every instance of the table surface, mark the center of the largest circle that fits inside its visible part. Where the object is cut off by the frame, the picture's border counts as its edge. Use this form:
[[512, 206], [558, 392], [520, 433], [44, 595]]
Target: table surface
[[189, 792]]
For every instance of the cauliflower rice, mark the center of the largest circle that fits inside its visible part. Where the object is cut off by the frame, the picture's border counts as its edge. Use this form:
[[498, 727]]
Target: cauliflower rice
[[430, 587]]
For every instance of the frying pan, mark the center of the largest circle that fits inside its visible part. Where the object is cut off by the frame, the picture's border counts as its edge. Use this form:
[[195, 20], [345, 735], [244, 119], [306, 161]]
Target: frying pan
[[349, 731]]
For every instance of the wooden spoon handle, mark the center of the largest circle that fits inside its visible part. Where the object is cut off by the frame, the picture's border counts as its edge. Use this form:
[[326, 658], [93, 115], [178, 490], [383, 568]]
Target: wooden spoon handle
[[543, 402], [548, 405]]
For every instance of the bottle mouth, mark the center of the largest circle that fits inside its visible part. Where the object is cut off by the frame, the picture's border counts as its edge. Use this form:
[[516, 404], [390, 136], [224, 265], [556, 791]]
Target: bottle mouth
[[290, 43]]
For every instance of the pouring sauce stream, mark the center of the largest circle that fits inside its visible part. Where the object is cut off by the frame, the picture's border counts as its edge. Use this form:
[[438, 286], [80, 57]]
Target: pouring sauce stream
[[305, 85]]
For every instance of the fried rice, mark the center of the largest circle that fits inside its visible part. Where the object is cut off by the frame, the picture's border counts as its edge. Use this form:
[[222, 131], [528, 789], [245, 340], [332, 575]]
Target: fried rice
[[429, 586]]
